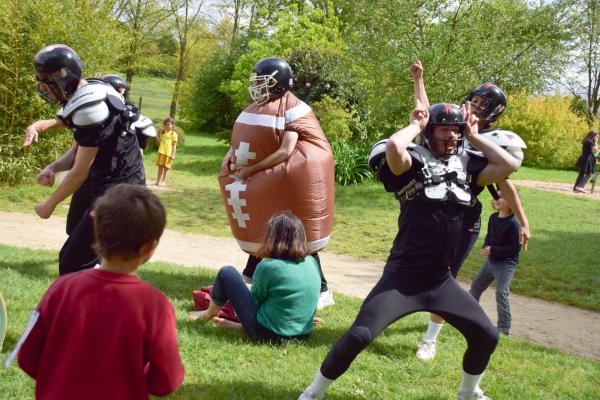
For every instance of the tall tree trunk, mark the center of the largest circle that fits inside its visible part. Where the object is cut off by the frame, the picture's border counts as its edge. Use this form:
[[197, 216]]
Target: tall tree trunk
[[178, 79]]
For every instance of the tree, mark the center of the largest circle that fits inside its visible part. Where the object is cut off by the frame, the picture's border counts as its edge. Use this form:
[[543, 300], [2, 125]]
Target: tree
[[188, 30], [144, 22], [514, 43], [25, 27], [583, 80]]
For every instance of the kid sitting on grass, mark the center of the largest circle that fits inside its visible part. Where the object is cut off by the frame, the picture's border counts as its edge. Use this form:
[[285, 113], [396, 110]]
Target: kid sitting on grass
[[167, 147], [285, 287], [103, 333], [501, 247]]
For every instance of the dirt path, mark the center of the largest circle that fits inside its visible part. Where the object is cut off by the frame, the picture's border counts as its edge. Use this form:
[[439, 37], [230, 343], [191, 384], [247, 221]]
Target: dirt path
[[564, 327], [562, 188]]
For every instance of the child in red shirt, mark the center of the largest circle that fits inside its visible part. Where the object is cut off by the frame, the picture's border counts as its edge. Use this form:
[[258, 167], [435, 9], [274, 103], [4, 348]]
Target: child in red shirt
[[103, 333]]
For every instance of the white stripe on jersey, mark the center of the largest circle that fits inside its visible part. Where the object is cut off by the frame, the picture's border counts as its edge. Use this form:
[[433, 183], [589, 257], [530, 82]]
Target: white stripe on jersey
[[297, 112], [270, 121]]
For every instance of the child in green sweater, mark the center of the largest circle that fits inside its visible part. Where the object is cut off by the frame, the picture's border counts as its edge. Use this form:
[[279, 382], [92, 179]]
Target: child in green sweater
[[285, 290]]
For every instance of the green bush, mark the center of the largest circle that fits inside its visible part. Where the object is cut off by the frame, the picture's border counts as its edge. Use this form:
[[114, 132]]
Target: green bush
[[208, 108], [152, 143], [548, 125], [351, 165], [334, 120], [25, 27]]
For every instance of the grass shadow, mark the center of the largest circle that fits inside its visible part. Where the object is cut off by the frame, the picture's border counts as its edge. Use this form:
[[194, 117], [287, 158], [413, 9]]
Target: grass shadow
[[242, 390], [34, 269]]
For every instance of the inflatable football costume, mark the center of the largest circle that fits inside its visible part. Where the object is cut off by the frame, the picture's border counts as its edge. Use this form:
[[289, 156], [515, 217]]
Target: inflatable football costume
[[303, 184]]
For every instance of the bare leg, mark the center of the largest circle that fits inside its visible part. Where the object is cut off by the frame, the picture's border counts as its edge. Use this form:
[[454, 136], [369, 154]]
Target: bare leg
[[211, 312], [436, 318], [159, 174], [227, 324], [164, 177]]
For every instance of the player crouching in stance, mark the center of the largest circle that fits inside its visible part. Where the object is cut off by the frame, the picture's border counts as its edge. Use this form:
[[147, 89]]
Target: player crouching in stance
[[433, 182]]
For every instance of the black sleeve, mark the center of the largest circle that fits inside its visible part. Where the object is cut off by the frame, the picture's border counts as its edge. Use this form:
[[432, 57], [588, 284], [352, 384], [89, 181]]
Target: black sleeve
[[89, 137], [394, 183], [142, 140], [474, 167], [486, 241]]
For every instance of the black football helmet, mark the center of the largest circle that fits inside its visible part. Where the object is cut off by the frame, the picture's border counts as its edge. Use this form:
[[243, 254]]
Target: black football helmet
[[445, 114], [495, 98], [116, 82], [271, 78], [58, 57]]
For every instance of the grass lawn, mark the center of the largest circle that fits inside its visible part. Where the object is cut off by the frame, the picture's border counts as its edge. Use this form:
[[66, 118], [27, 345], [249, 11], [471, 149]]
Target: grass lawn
[[156, 96], [561, 263], [225, 365], [548, 175]]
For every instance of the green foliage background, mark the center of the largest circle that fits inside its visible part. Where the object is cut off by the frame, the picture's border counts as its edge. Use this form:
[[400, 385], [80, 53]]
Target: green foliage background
[[25, 27], [350, 65]]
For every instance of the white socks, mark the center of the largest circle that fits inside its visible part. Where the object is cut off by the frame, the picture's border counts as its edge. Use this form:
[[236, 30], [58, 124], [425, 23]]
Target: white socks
[[318, 386], [469, 383], [433, 330]]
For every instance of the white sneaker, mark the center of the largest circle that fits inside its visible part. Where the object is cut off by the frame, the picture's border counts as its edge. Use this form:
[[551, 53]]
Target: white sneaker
[[307, 395], [476, 395], [426, 350], [325, 300]]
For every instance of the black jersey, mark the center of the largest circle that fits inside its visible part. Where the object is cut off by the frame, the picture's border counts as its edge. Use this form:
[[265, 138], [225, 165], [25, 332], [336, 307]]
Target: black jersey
[[428, 231], [118, 159], [97, 115]]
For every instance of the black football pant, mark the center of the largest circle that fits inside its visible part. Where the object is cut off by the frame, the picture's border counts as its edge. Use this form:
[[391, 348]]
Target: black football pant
[[393, 298]]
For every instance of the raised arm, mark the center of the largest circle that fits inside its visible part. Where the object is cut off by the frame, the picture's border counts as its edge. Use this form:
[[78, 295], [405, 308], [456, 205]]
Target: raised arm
[[288, 143], [416, 71], [397, 157], [500, 163]]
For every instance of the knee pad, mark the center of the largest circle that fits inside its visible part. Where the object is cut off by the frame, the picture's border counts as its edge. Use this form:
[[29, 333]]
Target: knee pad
[[490, 339], [358, 337]]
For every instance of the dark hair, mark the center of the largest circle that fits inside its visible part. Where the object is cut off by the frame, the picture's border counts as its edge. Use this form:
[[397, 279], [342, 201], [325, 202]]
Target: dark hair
[[285, 238], [590, 137], [127, 217], [163, 128]]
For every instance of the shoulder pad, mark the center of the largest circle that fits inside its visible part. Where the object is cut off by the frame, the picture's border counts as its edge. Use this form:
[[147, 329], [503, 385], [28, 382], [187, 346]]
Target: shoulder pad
[[474, 153], [85, 96], [89, 104], [377, 154], [145, 126], [419, 152], [504, 138]]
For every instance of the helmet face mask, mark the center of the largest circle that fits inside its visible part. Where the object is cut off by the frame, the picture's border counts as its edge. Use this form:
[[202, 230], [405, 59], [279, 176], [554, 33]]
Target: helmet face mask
[[444, 133], [490, 101], [117, 82], [271, 78], [59, 69], [260, 86], [442, 145], [49, 89]]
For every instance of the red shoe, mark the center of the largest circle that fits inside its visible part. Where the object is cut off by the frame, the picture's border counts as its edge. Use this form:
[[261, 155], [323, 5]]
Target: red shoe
[[202, 300]]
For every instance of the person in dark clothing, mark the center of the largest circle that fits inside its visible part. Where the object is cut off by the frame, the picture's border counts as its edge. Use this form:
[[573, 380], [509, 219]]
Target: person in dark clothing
[[103, 151], [587, 161], [488, 102], [434, 183], [501, 247], [82, 198]]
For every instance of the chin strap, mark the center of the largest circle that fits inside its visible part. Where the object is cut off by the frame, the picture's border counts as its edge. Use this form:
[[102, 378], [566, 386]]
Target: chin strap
[[493, 191]]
